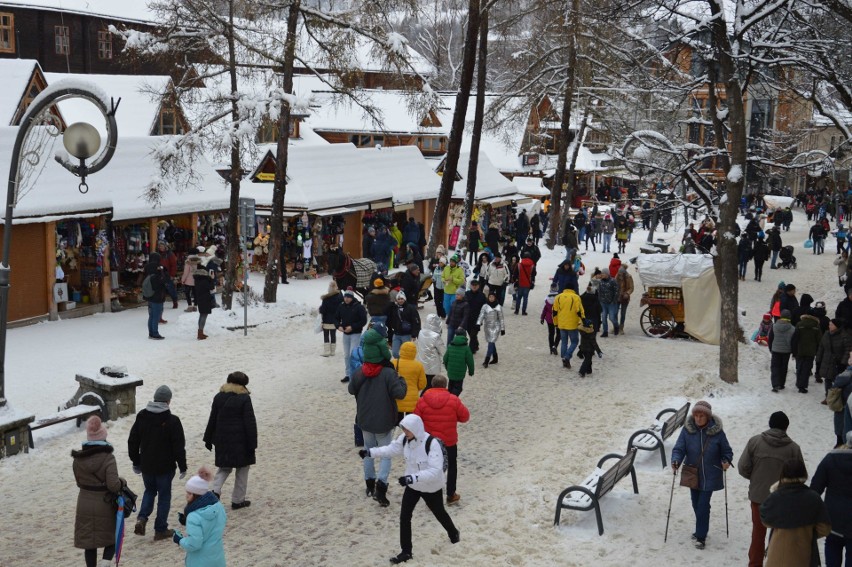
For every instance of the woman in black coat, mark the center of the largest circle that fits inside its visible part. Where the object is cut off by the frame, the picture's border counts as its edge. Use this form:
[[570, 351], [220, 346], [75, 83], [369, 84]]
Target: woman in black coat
[[233, 430], [204, 287]]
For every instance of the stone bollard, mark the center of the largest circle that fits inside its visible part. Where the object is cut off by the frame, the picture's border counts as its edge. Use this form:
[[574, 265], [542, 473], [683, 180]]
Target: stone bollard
[[115, 396]]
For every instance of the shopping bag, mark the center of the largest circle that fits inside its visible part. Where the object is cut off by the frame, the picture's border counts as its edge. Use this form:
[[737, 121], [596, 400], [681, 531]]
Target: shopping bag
[[318, 324], [809, 243]]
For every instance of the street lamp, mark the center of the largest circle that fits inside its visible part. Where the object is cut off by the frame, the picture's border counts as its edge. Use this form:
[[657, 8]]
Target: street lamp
[[81, 140]]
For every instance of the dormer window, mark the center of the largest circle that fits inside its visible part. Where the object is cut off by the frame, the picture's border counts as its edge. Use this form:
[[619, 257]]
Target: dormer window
[[7, 33]]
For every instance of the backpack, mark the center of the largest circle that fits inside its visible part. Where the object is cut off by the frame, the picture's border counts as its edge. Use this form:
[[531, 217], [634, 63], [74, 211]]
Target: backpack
[[148, 287], [446, 464]]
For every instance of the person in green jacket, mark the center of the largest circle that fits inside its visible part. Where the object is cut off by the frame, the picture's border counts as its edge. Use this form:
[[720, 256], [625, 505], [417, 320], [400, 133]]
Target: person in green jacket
[[457, 359]]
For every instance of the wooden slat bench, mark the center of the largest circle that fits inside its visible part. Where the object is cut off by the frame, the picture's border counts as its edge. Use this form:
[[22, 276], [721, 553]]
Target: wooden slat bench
[[655, 436], [80, 413], [587, 495]]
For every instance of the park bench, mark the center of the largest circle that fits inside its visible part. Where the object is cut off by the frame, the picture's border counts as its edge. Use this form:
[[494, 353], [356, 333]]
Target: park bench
[[655, 436], [587, 495], [80, 413]]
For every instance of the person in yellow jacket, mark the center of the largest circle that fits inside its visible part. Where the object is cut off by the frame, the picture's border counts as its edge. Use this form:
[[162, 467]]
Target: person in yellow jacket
[[568, 314], [453, 277], [408, 367]]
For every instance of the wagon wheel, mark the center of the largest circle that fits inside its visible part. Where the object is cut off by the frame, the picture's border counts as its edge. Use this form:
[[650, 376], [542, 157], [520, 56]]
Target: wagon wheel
[[657, 321]]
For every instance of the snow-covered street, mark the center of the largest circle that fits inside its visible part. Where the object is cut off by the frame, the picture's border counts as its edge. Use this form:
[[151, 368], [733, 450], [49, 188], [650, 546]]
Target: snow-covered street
[[535, 429]]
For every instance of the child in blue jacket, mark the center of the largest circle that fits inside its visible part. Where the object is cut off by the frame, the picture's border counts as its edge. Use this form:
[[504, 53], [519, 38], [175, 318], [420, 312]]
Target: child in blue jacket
[[204, 517]]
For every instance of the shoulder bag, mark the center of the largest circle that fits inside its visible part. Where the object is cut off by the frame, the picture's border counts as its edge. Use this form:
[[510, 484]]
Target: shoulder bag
[[689, 473]]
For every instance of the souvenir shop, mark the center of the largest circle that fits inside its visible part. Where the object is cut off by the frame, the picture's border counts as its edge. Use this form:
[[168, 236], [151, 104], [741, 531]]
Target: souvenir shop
[[486, 213], [307, 237], [81, 262]]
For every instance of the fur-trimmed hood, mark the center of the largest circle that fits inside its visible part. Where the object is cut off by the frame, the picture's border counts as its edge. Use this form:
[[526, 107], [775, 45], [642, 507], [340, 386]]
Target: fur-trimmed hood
[[380, 291], [229, 388], [714, 425]]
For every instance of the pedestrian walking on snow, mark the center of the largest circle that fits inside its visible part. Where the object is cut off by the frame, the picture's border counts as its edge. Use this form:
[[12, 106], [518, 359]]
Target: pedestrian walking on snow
[[761, 463], [494, 326], [567, 315], [625, 290], [588, 347], [204, 286], [781, 346], [96, 474], [412, 371], [805, 343], [331, 300], [350, 319], [156, 446], [547, 317], [431, 348], [797, 516], [205, 519], [423, 478], [441, 413], [458, 360], [834, 477], [232, 429], [702, 444], [608, 295]]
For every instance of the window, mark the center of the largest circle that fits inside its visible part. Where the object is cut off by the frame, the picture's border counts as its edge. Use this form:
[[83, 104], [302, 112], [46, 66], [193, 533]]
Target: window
[[104, 44], [268, 131], [366, 140], [169, 123], [430, 144], [7, 33], [61, 37]]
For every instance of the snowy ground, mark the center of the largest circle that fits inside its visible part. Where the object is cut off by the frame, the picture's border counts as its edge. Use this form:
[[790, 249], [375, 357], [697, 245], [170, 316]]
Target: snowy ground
[[535, 429]]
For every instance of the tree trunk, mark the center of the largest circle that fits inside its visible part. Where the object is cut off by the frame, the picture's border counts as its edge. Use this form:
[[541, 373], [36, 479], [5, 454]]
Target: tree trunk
[[564, 135], [726, 264], [476, 136], [233, 232], [279, 189], [451, 161]]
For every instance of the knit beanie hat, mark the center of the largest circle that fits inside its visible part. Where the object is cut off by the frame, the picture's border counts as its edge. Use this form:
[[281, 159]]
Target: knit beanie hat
[[767, 316], [460, 291], [200, 483], [95, 430], [400, 295], [703, 407], [779, 420], [785, 314], [163, 394]]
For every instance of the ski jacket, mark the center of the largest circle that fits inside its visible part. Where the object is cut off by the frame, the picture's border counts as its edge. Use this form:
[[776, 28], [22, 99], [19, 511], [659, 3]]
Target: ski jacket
[[459, 314], [441, 412], [547, 310], [205, 525], [427, 470], [351, 315], [232, 427], [328, 307], [762, 460], [608, 291], [453, 277], [431, 345], [687, 450], [414, 374], [568, 310], [156, 443], [834, 477], [458, 359], [376, 389], [491, 321]]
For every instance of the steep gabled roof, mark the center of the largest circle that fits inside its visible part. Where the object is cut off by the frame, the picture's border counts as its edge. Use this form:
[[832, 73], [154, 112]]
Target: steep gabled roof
[[127, 10], [17, 75]]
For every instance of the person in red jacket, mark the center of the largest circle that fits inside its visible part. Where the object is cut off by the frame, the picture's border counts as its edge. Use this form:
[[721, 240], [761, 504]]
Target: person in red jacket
[[526, 269], [169, 262], [441, 412], [614, 264]]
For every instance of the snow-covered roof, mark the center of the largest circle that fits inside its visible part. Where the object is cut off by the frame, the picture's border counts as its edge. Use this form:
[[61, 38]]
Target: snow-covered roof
[[843, 115], [16, 75], [531, 186], [120, 186], [669, 270], [129, 10], [489, 181], [139, 108]]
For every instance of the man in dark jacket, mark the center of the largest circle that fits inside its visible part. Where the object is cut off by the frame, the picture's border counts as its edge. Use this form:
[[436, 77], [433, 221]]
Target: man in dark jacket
[[351, 319], [459, 314], [410, 283], [376, 388], [475, 300], [760, 254], [232, 428], [522, 227], [761, 463], [566, 277], [834, 477], [404, 321], [788, 300], [156, 447], [773, 240], [592, 307], [781, 346], [367, 242], [156, 277], [844, 311], [806, 339], [492, 239], [411, 232]]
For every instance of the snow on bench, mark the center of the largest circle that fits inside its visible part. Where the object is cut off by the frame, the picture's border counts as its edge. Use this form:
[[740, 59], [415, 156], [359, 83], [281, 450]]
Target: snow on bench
[[79, 413], [653, 438], [586, 496]]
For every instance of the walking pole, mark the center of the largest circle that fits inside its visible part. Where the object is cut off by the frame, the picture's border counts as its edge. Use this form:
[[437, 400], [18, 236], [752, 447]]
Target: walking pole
[[669, 513], [725, 482]]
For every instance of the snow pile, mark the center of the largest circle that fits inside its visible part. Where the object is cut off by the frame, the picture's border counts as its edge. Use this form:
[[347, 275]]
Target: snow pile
[[735, 175]]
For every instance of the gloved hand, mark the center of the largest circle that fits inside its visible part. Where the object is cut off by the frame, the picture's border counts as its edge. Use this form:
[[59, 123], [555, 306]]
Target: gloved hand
[[503, 332], [137, 470], [600, 355], [209, 446], [177, 537], [182, 518], [541, 321], [675, 466], [182, 475], [406, 480], [364, 453]]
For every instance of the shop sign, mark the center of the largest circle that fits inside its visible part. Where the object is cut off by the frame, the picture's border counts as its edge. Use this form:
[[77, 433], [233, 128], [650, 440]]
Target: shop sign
[[265, 177], [529, 159]]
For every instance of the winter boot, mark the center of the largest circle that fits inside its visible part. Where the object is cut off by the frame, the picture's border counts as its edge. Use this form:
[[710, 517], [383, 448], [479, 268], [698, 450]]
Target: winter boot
[[494, 358], [371, 486], [174, 304], [201, 335], [326, 349], [616, 330], [486, 361], [381, 494], [140, 526], [333, 348]]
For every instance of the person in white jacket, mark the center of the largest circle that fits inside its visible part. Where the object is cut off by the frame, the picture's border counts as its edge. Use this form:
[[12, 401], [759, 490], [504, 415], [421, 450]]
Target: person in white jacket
[[431, 348], [497, 277], [423, 478]]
